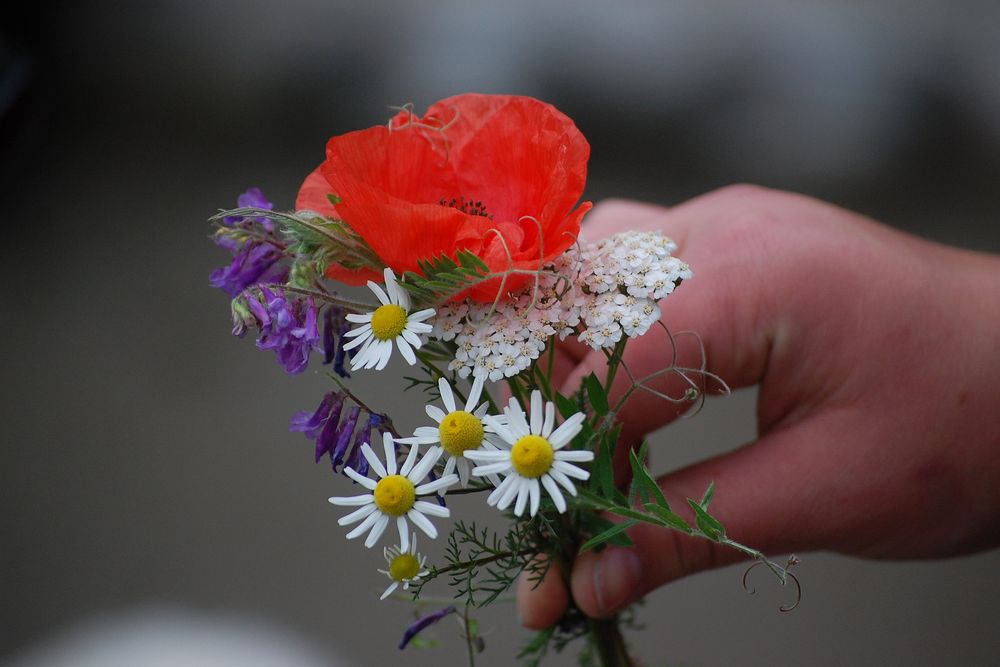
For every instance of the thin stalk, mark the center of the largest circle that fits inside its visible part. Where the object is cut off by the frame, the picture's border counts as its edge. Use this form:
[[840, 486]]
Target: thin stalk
[[606, 635]]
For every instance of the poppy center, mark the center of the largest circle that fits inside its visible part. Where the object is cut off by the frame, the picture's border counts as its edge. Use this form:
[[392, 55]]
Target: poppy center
[[532, 456], [388, 321], [460, 431], [395, 495], [468, 207], [404, 567]]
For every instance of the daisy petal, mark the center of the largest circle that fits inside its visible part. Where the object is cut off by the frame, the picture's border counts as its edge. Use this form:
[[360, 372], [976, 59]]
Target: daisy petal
[[447, 397], [351, 500], [436, 485], [388, 591], [356, 515], [433, 509], [379, 293], [373, 461], [435, 413], [487, 455], [406, 350], [422, 522], [569, 470], [411, 458], [357, 341], [365, 525], [554, 493], [536, 413], [359, 318], [510, 492], [475, 393], [377, 531], [420, 470], [564, 481], [522, 497], [404, 533], [491, 469], [411, 338], [420, 315], [366, 482], [575, 455], [501, 489], [534, 496], [567, 431], [357, 332], [550, 419], [390, 455]]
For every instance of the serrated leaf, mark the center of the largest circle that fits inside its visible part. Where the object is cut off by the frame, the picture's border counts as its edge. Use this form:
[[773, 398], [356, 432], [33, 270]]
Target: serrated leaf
[[647, 485], [614, 531], [708, 524], [668, 518], [595, 394]]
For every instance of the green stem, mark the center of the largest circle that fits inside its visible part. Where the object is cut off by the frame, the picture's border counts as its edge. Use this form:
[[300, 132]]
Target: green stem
[[606, 635], [468, 637]]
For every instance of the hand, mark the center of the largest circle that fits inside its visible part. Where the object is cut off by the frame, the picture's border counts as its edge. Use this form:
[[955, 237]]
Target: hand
[[878, 415]]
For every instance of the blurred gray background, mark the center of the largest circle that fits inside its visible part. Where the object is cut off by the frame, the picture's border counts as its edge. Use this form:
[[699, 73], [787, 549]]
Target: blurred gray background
[[148, 477]]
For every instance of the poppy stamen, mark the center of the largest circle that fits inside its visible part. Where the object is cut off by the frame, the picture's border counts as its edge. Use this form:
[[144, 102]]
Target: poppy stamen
[[469, 207]]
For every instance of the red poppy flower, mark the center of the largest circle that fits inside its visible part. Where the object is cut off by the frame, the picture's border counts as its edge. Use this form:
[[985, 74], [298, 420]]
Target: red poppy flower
[[496, 175]]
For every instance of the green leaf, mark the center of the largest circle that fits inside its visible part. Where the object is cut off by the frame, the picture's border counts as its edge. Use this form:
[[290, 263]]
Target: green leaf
[[616, 530], [333, 199], [668, 518], [647, 485], [595, 393], [707, 498], [708, 524], [567, 408], [602, 475]]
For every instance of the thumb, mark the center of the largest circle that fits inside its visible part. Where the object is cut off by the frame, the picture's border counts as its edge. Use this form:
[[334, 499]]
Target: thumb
[[766, 492]]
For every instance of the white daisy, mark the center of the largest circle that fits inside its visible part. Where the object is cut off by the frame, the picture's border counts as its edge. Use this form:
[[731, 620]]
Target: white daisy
[[392, 321], [535, 457], [394, 496], [405, 566], [458, 429]]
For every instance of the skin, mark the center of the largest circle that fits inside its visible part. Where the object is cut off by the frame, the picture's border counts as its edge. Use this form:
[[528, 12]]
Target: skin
[[876, 360]]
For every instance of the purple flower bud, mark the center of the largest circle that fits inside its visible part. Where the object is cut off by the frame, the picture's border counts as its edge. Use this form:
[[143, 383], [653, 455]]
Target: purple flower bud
[[344, 438], [422, 623], [254, 262], [358, 462], [322, 424], [251, 198]]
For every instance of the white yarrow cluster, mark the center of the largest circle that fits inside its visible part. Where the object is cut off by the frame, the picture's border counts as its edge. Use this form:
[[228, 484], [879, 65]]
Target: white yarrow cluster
[[603, 291]]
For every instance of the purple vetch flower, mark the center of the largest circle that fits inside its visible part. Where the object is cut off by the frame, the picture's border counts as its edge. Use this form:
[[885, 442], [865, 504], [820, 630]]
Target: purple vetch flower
[[254, 198], [322, 424], [253, 262], [334, 328], [422, 623], [340, 448], [358, 463], [287, 327]]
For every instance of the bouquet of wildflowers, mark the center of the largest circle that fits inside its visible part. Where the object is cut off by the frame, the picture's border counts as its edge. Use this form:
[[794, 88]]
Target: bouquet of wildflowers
[[464, 225]]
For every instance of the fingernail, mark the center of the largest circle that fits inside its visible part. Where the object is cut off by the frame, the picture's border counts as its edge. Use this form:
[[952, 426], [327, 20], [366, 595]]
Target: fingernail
[[616, 576]]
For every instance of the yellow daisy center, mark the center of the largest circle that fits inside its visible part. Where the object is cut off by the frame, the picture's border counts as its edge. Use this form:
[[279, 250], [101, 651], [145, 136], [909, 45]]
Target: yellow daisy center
[[460, 431], [532, 456], [404, 567], [395, 495], [388, 321]]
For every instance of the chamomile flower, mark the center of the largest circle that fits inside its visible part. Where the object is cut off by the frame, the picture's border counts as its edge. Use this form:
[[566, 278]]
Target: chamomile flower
[[394, 495], [459, 430], [535, 459], [405, 566], [392, 321]]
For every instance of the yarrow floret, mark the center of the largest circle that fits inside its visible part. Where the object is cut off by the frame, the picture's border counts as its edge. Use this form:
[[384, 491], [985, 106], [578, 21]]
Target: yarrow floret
[[604, 291], [535, 457], [394, 497], [390, 322]]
